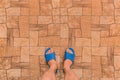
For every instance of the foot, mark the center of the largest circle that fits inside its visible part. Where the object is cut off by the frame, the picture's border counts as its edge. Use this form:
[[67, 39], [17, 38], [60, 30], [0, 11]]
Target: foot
[[67, 62], [52, 63]]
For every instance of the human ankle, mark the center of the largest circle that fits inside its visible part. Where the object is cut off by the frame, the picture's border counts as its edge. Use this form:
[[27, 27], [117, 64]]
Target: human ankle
[[67, 68], [53, 67]]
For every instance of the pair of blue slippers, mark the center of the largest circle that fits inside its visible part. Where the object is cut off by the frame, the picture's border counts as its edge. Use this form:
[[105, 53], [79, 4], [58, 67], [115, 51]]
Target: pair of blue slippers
[[67, 55]]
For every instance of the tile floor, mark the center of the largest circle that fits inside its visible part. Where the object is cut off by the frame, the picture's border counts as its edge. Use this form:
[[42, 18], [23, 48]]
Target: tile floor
[[91, 27]]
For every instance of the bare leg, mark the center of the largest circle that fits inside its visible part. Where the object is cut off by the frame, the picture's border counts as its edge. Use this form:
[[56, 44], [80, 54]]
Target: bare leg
[[69, 75], [50, 74]]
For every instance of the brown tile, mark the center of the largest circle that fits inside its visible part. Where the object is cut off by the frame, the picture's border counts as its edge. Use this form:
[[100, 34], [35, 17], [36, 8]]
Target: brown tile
[[86, 26], [34, 66], [5, 3], [43, 32], [74, 21], [86, 11], [16, 33], [24, 54], [95, 38], [117, 12], [34, 7], [3, 74], [86, 73], [54, 29], [117, 3], [24, 26], [3, 31], [96, 7], [96, 67], [66, 3], [64, 19], [33, 20], [2, 19], [108, 71], [82, 42], [13, 51], [78, 33], [56, 19], [3, 42], [45, 9], [34, 38], [56, 11], [117, 51], [44, 19], [95, 19], [117, 73], [13, 73], [49, 41], [64, 31], [64, 42], [108, 9], [12, 21], [104, 42], [117, 19], [86, 54], [63, 11], [24, 11], [25, 72], [116, 62], [2, 11], [99, 51], [2, 50], [56, 4], [21, 42], [13, 11], [78, 72], [37, 50], [106, 20], [114, 29], [107, 78], [75, 11]]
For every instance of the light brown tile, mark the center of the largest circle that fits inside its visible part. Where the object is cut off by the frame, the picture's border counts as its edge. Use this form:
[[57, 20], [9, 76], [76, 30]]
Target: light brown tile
[[54, 29], [99, 51], [108, 9], [34, 38], [21, 42], [25, 54], [96, 7], [75, 11], [86, 54], [3, 31], [95, 38], [66, 3], [34, 7], [64, 31], [12, 21], [44, 19], [13, 73], [86, 26], [106, 20], [13, 11], [24, 26]]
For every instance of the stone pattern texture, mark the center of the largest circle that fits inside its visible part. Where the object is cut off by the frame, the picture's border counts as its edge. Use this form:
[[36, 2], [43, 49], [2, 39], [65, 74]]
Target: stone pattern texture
[[91, 27]]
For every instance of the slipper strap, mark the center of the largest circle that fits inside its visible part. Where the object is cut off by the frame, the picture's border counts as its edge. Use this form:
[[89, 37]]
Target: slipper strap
[[50, 56]]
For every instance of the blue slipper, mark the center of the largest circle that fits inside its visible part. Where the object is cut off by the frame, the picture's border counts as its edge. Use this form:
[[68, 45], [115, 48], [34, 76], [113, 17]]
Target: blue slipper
[[70, 56], [50, 56]]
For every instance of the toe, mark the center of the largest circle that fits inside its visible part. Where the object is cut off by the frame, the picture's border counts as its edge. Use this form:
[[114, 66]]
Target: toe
[[68, 50]]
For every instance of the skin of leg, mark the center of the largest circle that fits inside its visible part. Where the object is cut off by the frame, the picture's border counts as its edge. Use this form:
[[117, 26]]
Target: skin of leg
[[69, 74], [50, 74]]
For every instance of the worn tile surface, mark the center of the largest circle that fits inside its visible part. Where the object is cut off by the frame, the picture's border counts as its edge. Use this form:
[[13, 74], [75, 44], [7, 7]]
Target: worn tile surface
[[91, 27]]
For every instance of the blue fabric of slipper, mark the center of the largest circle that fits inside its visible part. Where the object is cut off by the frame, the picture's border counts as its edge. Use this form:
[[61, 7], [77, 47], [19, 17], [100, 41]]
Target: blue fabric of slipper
[[50, 56], [70, 56]]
